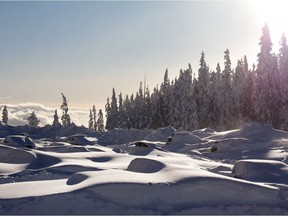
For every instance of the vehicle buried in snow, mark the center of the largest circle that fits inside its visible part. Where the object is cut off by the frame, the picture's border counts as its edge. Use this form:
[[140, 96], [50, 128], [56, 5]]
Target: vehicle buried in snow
[[19, 141], [142, 143], [268, 171], [81, 139], [230, 145]]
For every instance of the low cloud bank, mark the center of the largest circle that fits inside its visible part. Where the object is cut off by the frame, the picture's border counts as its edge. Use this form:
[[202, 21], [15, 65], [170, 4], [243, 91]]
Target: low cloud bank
[[18, 113]]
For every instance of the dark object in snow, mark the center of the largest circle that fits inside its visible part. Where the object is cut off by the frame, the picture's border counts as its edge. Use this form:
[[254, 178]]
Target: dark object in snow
[[213, 148], [19, 141], [141, 144], [169, 139]]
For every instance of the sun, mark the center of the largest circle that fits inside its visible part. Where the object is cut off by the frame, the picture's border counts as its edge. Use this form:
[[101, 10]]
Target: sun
[[274, 13]]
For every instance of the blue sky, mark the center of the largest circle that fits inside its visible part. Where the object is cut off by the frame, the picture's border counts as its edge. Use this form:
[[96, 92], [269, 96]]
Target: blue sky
[[83, 49]]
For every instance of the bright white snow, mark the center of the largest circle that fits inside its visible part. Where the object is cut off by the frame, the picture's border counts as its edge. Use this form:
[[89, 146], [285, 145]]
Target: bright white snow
[[116, 176]]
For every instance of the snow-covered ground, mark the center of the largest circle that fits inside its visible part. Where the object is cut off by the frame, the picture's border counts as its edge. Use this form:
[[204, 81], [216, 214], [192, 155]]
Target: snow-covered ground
[[136, 172]]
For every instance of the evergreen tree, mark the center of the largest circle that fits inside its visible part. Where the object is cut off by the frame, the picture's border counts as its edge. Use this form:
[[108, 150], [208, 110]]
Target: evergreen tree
[[33, 120], [267, 82], [112, 114], [226, 86], [203, 94], [5, 115], [248, 98], [114, 110], [237, 91], [66, 120], [215, 110], [90, 122], [127, 112], [156, 109], [100, 121], [122, 119], [108, 115], [95, 125], [55, 119], [165, 99], [283, 69], [147, 110]]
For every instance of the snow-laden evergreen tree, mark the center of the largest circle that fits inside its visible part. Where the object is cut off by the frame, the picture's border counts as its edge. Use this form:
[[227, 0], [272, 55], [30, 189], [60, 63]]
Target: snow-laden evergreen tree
[[55, 119], [126, 112], [100, 121], [185, 98], [66, 120], [112, 112], [193, 111], [267, 82], [177, 109], [156, 109], [275, 94], [90, 121], [172, 103], [248, 98], [283, 69], [203, 94], [5, 115], [237, 92], [108, 115], [139, 104], [191, 121], [147, 109], [94, 116], [215, 111], [165, 99], [33, 120], [262, 71], [226, 86], [122, 119]]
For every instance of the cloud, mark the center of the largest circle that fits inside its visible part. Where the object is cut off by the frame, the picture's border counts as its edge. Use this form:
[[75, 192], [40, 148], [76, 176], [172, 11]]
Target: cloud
[[18, 113]]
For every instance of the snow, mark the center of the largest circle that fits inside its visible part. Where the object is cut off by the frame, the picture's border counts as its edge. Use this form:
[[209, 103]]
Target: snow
[[115, 176]]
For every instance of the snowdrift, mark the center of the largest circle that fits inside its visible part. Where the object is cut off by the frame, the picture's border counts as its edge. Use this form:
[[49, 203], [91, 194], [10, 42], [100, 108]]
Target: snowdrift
[[181, 177]]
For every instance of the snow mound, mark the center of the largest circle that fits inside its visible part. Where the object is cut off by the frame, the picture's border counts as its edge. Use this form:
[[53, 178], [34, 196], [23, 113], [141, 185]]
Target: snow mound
[[77, 178], [43, 161], [144, 165], [257, 131], [161, 134], [182, 142], [183, 137], [101, 159], [12, 155], [202, 133], [118, 136], [261, 171]]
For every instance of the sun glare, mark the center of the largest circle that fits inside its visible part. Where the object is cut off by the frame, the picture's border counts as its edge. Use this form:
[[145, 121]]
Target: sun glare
[[274, 13]]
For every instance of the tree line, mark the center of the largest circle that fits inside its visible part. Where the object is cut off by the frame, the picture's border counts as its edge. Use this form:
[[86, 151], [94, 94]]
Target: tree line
[[221, 99]]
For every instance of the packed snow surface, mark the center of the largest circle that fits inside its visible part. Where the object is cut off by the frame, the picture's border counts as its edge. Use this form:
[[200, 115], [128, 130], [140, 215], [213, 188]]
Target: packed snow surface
[[138, 172]]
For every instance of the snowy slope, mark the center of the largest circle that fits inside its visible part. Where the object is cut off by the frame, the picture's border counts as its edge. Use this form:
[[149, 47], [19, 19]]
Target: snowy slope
[[183, 177]]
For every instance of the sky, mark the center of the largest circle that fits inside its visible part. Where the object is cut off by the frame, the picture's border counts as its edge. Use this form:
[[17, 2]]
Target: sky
[[85, 48]]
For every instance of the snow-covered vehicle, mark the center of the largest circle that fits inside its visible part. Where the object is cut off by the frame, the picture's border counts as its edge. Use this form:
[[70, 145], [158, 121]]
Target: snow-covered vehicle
[[270, 171], [142, 143], [80, 139], [231, 145], [19, 141]]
